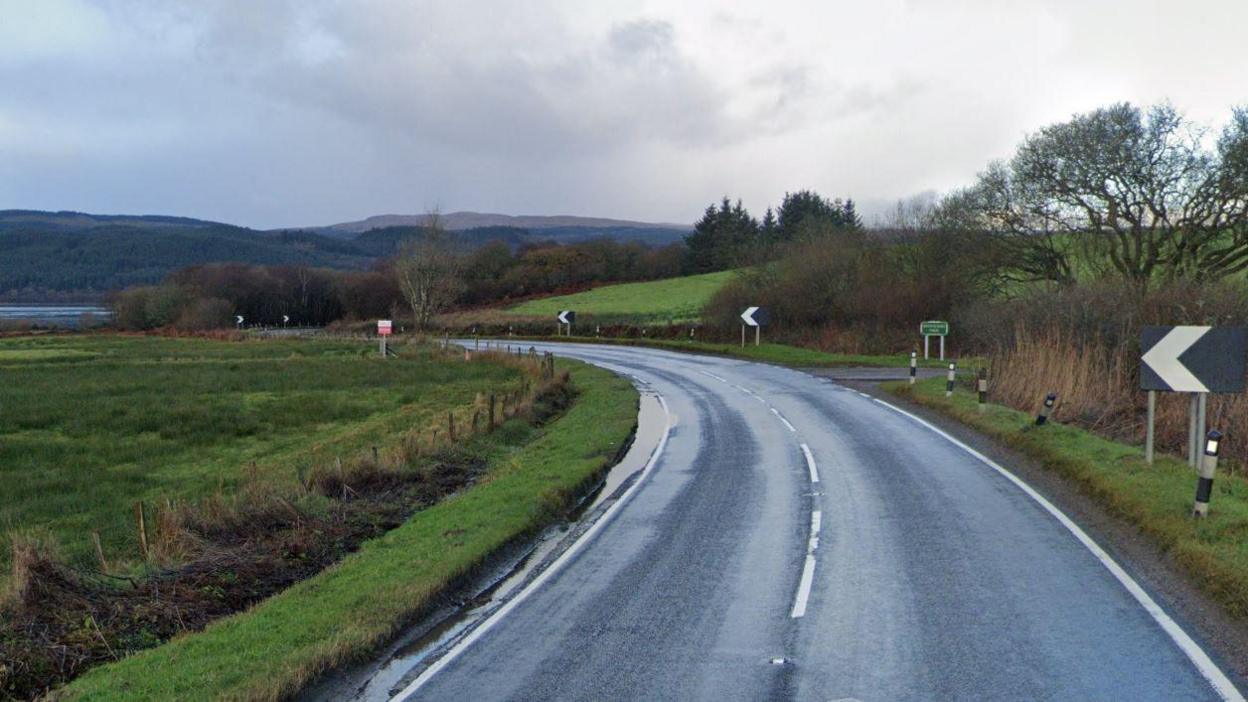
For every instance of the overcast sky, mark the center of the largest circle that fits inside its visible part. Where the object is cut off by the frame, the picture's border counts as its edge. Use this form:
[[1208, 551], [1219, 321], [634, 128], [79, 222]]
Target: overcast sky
[[270, 113]]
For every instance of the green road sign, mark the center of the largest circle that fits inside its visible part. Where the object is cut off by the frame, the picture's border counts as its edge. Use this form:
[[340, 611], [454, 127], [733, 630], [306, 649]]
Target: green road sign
[[934, 328]]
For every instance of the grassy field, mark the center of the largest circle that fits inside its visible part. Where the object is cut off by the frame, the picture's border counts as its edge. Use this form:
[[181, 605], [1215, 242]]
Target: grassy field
[[276, 648], [1155, 499], [91, 424], [660, 301]]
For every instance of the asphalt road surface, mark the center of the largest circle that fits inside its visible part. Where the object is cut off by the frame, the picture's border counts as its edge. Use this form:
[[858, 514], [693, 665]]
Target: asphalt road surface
[[795, 539]]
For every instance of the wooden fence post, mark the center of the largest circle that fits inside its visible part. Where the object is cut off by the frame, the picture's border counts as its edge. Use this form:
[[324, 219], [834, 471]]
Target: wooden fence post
[[141, 526]]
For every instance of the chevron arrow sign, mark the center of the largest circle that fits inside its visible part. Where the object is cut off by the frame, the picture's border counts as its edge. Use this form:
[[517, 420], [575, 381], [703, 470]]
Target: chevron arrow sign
[[755, 317], [1193, 359], [566, 317]]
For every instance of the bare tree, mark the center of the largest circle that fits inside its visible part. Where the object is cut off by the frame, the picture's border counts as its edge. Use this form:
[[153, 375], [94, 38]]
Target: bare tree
[[428, 271], [1136, 192]]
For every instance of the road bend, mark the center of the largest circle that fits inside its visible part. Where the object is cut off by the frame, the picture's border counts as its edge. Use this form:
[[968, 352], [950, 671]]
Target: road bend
[[797, 539]]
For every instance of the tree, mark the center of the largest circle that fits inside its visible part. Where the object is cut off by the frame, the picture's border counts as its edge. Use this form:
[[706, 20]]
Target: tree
[[724, 238], [769, 229], [428, 271], [1134, 192], [802, 209]]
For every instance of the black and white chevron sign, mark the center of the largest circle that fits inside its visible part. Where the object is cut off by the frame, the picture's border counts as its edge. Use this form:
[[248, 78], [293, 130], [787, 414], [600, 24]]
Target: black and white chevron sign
[[566, 316], [755, 317], [1193, 359]]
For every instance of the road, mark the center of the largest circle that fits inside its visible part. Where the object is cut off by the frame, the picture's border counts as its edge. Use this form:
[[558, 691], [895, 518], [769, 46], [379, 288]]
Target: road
[[796, 539]]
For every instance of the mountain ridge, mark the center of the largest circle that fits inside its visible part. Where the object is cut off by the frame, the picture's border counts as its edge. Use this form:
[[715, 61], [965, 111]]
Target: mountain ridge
[[455, 221]]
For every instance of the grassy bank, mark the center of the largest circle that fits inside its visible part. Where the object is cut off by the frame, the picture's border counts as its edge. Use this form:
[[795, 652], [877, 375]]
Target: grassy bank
[[671, 301], [90, 425], [346, 612], [1155, 499]]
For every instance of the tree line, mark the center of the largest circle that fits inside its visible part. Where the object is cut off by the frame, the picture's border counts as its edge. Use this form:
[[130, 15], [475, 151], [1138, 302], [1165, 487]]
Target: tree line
[[727, 236], [433, 270], [1123, 196]]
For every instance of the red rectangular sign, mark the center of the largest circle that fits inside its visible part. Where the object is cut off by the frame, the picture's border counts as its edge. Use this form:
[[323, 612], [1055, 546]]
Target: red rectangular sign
[[384, 326]]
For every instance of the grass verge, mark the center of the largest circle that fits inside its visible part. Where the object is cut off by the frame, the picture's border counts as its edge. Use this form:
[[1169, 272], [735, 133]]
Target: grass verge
[[275, 649], [1155, 499]]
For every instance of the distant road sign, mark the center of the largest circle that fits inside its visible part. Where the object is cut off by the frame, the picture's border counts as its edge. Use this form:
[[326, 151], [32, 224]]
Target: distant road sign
[[756, 316], [238, 319], [567, 317], [1193, 359], [384, 327], [934, 328], [285, 319]]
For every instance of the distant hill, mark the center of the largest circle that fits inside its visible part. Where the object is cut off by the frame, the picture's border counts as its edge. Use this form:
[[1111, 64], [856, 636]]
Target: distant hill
[[62, 255], [68, 220], [51, 255], [473, 220]]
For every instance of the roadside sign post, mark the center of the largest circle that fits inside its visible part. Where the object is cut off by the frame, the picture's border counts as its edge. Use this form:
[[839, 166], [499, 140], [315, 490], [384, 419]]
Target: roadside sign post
[[238, 320], [285, 320], [384, 328], [1148, 438], [932, 328], [756, 317], [1192, 359], [566, 318]]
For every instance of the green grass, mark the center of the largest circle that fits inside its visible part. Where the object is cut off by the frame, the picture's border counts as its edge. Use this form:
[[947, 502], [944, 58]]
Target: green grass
[[346, 612], [671, 300], [91, 424], [1155, 499]]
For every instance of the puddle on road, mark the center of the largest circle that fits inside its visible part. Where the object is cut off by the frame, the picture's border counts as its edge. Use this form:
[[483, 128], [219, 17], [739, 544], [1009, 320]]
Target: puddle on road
[[423, 643]]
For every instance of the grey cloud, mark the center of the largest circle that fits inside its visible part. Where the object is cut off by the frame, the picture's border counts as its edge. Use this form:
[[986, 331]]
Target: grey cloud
[[297, 111]]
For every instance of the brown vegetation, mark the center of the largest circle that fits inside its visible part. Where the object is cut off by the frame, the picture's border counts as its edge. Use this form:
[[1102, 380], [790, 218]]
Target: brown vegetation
[[1083, 344]]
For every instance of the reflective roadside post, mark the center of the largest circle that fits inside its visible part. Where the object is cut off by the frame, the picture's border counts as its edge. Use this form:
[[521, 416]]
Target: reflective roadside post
[[953, 372], [1049, 401], [983, 389], [914, 365], [1208, 468]]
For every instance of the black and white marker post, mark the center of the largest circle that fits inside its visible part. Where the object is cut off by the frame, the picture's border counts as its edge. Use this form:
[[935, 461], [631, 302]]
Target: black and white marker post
[[953, 372], [914, 365], [983, 389], [566, 319], [1049, 401], [756, 317], [1208, 468], [1197, 360]]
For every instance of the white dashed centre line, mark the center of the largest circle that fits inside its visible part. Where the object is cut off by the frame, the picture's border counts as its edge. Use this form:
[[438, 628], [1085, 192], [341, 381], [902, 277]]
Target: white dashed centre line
[[810, 463], [788, 426], [808, 570]]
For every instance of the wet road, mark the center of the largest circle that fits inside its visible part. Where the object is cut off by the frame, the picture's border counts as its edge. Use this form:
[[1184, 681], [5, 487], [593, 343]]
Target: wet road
[[796, 539]]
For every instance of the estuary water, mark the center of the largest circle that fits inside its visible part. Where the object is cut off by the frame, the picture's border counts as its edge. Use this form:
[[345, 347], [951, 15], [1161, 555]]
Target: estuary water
[[52, 315]]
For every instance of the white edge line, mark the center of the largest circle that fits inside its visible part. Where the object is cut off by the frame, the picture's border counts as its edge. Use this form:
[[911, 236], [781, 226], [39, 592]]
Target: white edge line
[[803, 588], [810, 463], [1221, 684], [545, 575], [712, 375]]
